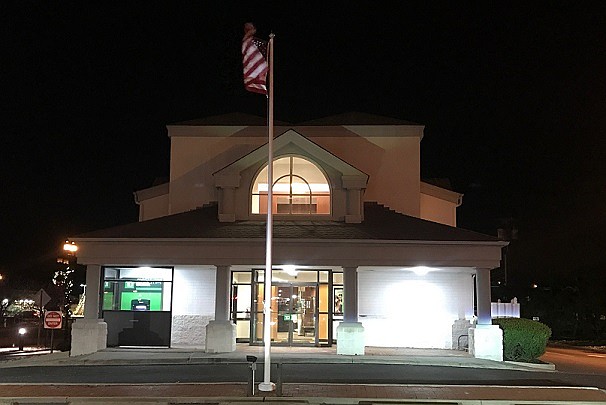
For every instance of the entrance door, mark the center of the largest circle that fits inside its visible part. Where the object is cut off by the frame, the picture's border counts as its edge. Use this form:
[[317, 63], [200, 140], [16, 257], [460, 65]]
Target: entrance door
[[296, 314]]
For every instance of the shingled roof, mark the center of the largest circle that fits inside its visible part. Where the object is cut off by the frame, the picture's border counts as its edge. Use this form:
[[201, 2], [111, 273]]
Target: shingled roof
[[380, 223]]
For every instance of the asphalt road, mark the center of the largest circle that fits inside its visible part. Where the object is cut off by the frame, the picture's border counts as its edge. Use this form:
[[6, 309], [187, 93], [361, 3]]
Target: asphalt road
[[299, 373], [576, 360]]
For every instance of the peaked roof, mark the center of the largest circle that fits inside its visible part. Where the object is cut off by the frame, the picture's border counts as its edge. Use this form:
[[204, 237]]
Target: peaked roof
[[230, 119], [380, 223], [356, 118], [243, 119], [293, 138]]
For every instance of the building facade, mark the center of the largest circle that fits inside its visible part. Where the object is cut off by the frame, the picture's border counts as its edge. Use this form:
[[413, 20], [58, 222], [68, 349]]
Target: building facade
[[364, 252]]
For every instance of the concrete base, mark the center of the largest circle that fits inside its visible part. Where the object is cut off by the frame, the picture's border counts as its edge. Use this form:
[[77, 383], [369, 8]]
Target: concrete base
[[88, 336], [486, 342], [220, 337], [460, 334], [350, 338]]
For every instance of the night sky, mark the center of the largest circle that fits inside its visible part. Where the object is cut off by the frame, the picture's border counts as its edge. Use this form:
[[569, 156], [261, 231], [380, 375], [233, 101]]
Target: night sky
[[512, 96]]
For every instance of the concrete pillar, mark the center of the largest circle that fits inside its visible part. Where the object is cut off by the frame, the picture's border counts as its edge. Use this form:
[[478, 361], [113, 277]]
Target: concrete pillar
[[221, 332], [350, 332], [89, 334], [485, 339], [483, 296], [93, 283], [222, 292], [350, 294]]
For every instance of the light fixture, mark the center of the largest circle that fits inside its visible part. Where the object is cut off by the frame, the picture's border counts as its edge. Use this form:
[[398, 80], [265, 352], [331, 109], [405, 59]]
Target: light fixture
[[70, 247], [420, 270], [290, 270]]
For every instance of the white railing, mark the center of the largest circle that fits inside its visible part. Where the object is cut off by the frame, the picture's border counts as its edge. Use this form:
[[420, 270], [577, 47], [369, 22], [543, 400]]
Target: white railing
[[505, 309]]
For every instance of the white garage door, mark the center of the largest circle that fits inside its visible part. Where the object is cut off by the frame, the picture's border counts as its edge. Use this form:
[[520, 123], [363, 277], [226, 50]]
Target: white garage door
[[403, 309]]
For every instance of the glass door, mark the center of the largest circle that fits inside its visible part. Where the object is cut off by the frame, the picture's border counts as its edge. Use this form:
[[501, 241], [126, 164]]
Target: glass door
[[296, 314], [304, 310]]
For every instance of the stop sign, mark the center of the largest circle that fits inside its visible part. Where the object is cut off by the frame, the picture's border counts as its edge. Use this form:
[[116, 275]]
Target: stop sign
[[53, 319]]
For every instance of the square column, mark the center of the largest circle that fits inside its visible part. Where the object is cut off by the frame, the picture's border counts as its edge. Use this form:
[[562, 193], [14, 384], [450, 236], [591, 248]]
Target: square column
[[221, 332], [89, 334], [485, 339], [350, 332]]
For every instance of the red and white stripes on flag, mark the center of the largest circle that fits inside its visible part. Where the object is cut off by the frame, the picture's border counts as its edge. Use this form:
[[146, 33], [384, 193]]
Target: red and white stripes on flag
[[254, 60]]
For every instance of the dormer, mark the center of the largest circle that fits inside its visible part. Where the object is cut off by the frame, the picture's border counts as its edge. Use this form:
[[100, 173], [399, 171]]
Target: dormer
[[309, 183]]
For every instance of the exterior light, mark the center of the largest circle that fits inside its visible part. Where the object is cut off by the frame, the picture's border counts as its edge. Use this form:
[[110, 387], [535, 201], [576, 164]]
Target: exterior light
[[70, 247], [22, 332], [420, 270]]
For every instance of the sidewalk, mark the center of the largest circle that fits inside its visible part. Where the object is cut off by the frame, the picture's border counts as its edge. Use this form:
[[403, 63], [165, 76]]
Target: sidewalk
[[376, 355], [239, 393]]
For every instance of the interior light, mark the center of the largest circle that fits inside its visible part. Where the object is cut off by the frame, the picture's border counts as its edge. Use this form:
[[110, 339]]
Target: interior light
[[290, 270], [420, 270]]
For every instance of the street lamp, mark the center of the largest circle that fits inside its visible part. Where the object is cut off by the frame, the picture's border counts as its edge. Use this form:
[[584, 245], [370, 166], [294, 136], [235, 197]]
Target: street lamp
[[22, 332], [70, 247]]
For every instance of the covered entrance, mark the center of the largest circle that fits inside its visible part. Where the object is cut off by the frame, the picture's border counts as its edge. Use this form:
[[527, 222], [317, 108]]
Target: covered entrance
[[303, 312]]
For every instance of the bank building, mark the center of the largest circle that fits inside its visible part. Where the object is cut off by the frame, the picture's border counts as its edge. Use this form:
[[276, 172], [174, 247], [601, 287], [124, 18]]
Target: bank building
[[365, 253]]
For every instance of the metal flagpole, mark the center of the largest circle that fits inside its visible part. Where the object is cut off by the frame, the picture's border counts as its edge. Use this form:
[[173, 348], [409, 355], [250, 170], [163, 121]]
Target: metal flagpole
[[267, 385]]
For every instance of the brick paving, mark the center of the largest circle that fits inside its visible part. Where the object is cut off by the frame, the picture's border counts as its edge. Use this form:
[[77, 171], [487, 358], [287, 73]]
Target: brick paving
[[300, 391]]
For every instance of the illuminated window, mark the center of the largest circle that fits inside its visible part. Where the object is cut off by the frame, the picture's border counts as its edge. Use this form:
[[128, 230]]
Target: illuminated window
[[299, 188]]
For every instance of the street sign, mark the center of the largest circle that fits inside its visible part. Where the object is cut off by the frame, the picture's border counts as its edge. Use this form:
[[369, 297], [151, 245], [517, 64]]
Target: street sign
[[41, 298], [53, 320]]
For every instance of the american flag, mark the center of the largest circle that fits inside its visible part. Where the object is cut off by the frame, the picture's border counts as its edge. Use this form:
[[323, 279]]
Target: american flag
[[254, 54]]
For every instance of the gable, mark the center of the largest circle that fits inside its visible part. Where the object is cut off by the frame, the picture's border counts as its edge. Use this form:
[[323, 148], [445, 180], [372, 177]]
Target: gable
[[291, 142]]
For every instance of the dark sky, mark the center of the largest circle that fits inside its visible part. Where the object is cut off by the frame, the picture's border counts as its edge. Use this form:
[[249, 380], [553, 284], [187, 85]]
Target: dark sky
[[512, 95]]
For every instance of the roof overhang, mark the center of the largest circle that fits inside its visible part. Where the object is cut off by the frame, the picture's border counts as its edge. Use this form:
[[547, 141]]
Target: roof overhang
[[335, 252]]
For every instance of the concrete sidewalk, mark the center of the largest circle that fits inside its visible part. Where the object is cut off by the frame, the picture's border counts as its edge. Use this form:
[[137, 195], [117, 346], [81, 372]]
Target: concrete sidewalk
[[376, 355]]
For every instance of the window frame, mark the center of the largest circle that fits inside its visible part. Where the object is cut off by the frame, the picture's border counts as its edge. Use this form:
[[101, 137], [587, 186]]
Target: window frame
[[290, 195]]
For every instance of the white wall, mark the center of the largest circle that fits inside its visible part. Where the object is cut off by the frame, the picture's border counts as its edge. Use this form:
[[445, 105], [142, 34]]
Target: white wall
[[193, 305], [401, 309]]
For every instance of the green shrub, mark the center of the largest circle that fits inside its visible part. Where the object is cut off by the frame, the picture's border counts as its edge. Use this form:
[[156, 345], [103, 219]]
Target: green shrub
[[523, 339]]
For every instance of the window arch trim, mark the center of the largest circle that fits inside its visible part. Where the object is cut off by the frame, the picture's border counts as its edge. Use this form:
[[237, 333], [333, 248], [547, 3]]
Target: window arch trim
[[311, 195]]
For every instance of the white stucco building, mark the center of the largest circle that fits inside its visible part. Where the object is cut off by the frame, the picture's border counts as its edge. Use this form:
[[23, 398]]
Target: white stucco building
[[365, 253]]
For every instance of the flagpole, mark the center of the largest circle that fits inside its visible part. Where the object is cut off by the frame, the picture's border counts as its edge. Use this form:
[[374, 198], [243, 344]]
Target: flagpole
[[267, 385]]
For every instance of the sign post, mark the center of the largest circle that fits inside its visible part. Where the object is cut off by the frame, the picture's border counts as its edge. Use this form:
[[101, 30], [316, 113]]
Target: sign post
[[52, 320], [41, 298]]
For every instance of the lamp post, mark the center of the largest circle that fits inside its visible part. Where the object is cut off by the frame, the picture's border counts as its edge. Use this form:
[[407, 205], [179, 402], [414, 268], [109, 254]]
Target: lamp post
[[22, 332]]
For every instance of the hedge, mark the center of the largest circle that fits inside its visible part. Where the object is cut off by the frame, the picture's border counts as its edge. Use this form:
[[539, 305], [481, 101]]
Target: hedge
[[523, 339]]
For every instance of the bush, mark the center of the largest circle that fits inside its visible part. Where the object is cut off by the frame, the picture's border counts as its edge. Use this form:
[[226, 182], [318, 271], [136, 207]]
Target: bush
[[523, 339]]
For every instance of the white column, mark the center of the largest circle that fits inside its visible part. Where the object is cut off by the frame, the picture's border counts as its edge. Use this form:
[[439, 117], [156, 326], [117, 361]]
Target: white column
[[221, 332], [90, 333], [483, 296], [93, 283], [222, 292], [350, 332], [485, 339], [350, 294]]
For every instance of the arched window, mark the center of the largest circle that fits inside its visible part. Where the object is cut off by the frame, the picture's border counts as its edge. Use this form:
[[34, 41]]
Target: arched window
[[299, 188]]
